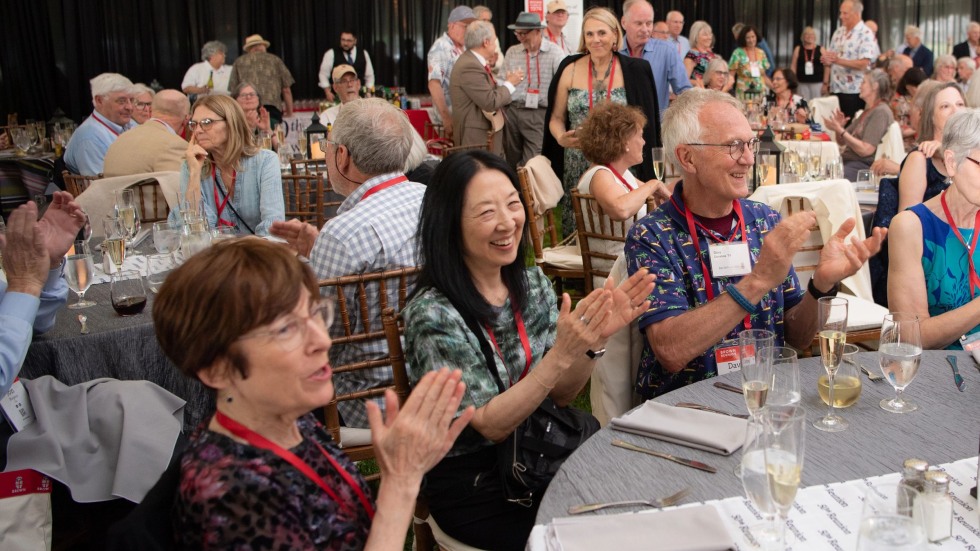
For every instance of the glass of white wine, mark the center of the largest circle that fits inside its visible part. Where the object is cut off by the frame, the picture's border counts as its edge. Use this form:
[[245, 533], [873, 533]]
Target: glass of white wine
[[900, 349], [127, 212], [79, 271], [785, 442], [847, 380], [756, 373], [657, 157], [755, 482], [115, 240], [832, 324]]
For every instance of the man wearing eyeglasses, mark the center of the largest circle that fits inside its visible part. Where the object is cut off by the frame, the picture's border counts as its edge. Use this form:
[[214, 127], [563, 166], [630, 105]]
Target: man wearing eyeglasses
[[441, 58], [156, 145], [724, 263], [113, 115], [347, 88]]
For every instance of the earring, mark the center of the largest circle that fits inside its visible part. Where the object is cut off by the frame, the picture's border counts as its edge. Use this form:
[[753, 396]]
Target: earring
[[228, 399], [627, 149]]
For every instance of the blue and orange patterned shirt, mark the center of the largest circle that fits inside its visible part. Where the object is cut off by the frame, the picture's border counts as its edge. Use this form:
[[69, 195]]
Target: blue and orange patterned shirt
[[661, 242]]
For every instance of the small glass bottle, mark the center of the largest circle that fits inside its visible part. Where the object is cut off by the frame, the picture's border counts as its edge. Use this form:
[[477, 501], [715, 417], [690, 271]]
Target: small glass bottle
[[937, 506], [913, 476]]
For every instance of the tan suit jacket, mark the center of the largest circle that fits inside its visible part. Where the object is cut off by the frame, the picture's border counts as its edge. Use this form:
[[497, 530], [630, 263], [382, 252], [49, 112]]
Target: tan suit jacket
[[472, 90], [150, 147]]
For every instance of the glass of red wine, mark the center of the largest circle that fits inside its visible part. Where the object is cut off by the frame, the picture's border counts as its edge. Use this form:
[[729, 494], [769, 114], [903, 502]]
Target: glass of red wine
[[128, 292]]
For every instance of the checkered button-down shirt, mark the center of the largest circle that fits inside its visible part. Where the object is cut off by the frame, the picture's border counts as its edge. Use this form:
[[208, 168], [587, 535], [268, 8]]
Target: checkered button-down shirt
[[367, 236]]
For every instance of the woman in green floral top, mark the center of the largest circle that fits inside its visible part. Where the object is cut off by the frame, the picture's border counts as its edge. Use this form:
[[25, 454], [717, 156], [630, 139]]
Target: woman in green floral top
[[472, 248], [748, 66]]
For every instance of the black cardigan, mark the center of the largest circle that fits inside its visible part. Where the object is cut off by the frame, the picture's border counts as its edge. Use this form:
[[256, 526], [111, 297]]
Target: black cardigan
[[640, 91]]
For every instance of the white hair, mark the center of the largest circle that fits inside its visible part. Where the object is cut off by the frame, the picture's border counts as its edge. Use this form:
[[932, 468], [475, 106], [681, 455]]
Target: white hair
[[681, 122], [377, 134], [140, 88], [962, 133], [211, 48], [416, 155], [477, 33], [913, 31], [107, 83]]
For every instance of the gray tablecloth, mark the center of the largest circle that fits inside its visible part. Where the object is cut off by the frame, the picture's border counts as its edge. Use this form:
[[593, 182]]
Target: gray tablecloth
[[945, 428]]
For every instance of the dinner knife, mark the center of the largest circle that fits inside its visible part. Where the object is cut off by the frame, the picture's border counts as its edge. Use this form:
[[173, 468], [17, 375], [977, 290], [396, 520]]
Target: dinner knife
[[957, 378], [728, 387], [687, 462]]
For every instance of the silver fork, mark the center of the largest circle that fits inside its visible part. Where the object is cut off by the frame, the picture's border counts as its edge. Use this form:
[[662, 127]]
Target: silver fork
[[872, 376], [662, 502]]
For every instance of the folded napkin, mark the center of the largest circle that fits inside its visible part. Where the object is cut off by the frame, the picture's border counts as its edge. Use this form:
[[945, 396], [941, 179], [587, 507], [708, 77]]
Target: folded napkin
[[693, 428], [698, 528]]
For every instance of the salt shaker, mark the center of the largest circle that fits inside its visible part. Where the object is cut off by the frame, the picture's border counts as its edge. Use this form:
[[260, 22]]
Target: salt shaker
[[913, 476], [937, 506]]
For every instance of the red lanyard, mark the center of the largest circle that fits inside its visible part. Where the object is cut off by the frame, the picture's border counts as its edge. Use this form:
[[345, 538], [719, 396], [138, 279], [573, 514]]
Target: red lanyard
[[537, 61], [264, 443], [692, 226], [612, 77], [621, 179], [221, 208], [384, 185], [109, 128], [809, 57], [551, 37], [525, 343], [974, 279]]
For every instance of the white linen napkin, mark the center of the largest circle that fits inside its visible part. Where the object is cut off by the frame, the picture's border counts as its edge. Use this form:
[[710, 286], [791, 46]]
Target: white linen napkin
[[693, 428], [698, 528]]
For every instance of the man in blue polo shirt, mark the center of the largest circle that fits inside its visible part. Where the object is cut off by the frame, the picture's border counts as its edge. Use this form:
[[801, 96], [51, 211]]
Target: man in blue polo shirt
[[737, 273], [667, 65], [113, 115]]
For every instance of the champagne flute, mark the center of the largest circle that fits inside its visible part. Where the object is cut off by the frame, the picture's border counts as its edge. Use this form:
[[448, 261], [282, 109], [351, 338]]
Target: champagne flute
[[755, 481], [657, 157], [79, 271], [115, 240], [785, 434], [784, 390], [891, 519], [756, 375], [127, 212], [900, 348], [832, 322]]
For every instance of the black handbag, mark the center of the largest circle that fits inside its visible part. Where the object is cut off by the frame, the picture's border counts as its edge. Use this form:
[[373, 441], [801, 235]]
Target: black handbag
[[531, 455]]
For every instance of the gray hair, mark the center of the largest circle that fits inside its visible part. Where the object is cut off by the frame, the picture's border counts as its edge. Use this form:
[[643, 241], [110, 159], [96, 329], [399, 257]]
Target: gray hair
[[417, 154], [966, 59], [681, 121], [960, 135], [880, 78], [477, 33], [858, 6], [945, 59], [140, 88], [377, 134], [241, 88], [973, 90], [107, 83], [913, 31], [697, 28], [480, 10], [628, 5], [808, 29], [211, 48], [973, 25], [717, 63]]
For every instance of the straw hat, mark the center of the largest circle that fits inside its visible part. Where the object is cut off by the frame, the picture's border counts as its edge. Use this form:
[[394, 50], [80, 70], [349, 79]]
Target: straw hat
[[255, 40]]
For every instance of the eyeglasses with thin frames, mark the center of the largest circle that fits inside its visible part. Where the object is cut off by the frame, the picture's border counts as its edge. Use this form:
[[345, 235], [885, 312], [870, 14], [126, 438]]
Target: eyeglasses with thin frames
[[736, 148], [323, 144], [141, 104], [347, 81], [205, 123], [292, 332]]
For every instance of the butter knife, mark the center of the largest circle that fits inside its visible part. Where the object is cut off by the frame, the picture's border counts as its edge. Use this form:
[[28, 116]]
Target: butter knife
[[728, 387], [957, 378], [690, 405], [686, 462]]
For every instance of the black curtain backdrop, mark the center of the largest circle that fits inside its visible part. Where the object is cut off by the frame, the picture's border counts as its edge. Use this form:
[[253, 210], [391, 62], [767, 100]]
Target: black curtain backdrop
[[51, 48]]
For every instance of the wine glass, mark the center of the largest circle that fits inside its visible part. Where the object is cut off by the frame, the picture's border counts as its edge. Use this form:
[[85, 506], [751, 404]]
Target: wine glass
[[832, 323], [193, 242], [115, 240], [166, 239], [657, 157], [785, 429], [847, 380], [21, 140], [891, 519], [128, 213], [79, 271], [42, 132], [127, 292], [756, 375], [158, 267], [784, 390], [755, 481], [900, 348]]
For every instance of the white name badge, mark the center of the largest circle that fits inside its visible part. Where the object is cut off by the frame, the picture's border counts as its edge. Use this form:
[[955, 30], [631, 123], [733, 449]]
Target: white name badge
[[16, 406], [754, 69], [532, 99], [808, 68], [729, 259]]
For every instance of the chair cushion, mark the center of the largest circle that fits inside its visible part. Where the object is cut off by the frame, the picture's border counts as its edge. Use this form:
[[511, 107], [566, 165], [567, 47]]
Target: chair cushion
[[563, 256], [863, 314]]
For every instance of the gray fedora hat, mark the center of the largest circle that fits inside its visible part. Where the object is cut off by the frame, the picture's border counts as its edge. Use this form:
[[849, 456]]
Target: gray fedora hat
[[527, 21]]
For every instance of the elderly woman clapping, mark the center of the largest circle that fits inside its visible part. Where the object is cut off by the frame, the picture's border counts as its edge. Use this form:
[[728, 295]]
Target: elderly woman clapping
[[262, 473], [860, 139]]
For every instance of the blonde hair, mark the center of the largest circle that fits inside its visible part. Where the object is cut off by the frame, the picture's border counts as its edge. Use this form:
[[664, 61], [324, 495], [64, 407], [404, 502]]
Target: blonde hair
[[602, 15], [239, 140]]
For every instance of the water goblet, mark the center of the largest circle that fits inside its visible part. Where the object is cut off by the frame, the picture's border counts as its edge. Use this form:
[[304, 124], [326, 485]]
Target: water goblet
[[127, 292], [193, 242], [158, 267], [863, 181], [21, 140], [79, 271], [891, 519], [166, 239], [900, 349], [832, 325]]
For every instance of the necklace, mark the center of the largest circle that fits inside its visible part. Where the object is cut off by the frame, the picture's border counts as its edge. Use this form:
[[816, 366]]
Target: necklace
[[599, 87]]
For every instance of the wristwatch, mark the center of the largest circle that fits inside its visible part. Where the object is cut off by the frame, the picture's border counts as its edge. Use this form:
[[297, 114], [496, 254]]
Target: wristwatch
[[815, 293], [595, 354]]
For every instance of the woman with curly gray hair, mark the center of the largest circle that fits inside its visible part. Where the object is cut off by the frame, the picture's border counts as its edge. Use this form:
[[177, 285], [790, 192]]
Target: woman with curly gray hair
[[211, 75], [861, 138]]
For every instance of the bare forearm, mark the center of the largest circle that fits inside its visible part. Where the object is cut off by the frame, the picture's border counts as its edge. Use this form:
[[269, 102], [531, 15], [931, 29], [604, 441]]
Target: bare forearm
[[857, 64], [196, 90], [626, 205], [287, 98], [439, 101], [856, 144], [394, 508]]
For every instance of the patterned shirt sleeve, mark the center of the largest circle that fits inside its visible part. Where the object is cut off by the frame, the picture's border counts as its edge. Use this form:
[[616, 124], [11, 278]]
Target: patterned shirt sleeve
[[643, 248]]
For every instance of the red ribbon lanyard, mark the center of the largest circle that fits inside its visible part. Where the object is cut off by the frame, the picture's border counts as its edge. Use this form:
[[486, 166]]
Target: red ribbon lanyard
[[551, 37], [525, 343], [809, 56], [221, 207], [537, 61], [692, 226], [974, 278], [384, 185], [264, 443], [621, 179], [109, 128], [612, 77]]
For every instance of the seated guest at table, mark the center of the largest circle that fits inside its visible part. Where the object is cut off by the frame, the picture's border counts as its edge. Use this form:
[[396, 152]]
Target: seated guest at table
[[931, 270], [262, 473], [901, 104], [142, 102], [789, 106], [155, 146], [472, 253], [700, 305], [374, 228], [965, 67], [256, 116], [211, 75], [861, 138], [748, 66], [113, 114], [347, 87], [33, 254], [239, 184], [611, 138], [945, 69], [717, 76]]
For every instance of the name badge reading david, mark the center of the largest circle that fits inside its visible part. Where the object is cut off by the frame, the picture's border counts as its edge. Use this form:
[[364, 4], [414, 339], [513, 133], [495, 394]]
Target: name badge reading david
[[727, 358], [729, 259]]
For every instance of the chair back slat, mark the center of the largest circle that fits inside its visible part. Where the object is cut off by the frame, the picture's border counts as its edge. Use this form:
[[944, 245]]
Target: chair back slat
[[153, 206], [598, 235], [76, 183], [303, 197]]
